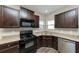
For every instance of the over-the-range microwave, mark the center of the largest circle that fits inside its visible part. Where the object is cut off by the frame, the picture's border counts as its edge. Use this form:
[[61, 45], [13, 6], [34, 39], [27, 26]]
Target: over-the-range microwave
[[27, 23]]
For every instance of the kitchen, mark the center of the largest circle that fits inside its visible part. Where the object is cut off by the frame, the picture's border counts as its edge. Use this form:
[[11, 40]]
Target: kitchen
[[39, 29]]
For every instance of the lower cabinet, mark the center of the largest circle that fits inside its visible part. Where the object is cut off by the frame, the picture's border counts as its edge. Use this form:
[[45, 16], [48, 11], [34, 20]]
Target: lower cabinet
[[61, 44], [47, 41], [12, 47], [77, 47]]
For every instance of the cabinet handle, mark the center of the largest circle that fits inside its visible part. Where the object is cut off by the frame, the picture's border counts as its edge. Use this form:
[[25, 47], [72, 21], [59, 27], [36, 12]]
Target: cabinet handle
[[17, 46], [8, 45], [9, 48], [66, 41], [69, 41]]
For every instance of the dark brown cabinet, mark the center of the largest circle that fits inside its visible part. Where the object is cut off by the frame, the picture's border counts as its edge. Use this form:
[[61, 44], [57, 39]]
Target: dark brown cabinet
[[59, 20], [36, 21], [39, 42], [10, 17], [12, 50], [47, 41], [26, 14], [71, 18], [0, 16], [12, 47], [77, 47], [68, 19]]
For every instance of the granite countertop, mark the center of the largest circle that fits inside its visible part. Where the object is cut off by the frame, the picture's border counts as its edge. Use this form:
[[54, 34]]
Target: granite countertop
[[7, 39], [71, 34]]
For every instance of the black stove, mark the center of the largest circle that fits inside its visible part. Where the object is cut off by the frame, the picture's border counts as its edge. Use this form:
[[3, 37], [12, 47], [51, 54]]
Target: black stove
[[27, 42]]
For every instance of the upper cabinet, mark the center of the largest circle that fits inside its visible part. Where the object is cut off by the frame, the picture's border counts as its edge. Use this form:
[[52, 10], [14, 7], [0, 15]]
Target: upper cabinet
[[59, 20], [0, 16], [26, 14], [68, 19], [36, 21], [10, 17], [71, 18]]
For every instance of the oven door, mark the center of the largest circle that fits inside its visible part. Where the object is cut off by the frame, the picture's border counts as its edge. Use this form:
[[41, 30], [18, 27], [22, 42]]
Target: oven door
[[31, 46], [28, 47]]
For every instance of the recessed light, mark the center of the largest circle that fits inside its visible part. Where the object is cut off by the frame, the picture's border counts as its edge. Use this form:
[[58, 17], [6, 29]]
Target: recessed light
[[46, 11]]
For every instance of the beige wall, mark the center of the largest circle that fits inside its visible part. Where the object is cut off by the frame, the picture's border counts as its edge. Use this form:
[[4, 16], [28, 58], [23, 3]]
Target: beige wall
[[51, 16], [42, 18]]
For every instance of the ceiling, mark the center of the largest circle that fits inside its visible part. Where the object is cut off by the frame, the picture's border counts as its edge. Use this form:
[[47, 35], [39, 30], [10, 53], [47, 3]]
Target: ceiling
[[44, 9]]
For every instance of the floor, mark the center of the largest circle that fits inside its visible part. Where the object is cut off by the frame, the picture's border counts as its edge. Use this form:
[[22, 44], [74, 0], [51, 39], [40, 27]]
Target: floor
[[46, 50]]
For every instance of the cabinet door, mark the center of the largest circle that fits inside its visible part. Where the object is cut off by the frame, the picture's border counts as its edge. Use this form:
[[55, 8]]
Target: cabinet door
[[36, 21], [44, 41], [68, 19], [31, 14], [26, 14], [55, 42], [10, 17], [59, 21], [39, 42], [71, 19], [14, 49], [77, 47], [48, 41], [1, 16]]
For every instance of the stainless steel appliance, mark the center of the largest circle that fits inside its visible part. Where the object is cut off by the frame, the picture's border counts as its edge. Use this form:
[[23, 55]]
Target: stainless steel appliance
[[28, 42]]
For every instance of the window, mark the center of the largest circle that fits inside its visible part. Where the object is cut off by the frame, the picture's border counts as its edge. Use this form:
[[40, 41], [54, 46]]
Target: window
[[50, 24], [41, 24]]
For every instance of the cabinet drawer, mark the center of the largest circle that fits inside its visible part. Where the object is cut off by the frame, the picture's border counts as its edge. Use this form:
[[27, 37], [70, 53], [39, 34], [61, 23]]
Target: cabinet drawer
[[13, 43], [47, 37], [12, 49], [3, 46], [7, 45]]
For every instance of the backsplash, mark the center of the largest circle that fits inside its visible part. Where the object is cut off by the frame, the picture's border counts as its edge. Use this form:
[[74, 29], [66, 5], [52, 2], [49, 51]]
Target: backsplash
[[61, 30], [8, 32]]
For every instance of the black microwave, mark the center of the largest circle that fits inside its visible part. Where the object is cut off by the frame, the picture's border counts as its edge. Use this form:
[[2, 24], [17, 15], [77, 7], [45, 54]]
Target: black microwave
[[27, 23]]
